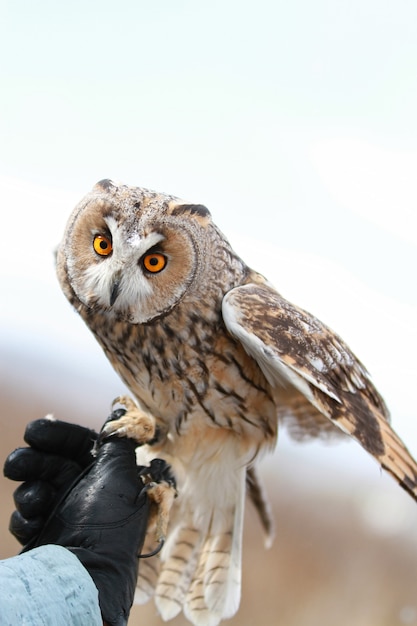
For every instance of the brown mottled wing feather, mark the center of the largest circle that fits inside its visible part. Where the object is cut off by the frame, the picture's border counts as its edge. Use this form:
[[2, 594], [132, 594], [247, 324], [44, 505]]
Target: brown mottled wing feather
[[302, 420], [296, 352], [257, 494]]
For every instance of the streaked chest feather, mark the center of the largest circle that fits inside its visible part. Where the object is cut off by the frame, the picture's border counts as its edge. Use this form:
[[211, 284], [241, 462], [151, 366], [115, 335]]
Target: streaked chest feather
[[189, 369]]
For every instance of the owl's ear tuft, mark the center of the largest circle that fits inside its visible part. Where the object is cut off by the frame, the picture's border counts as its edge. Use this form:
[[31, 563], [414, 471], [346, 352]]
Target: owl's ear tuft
[[105, 184], [191, 209]]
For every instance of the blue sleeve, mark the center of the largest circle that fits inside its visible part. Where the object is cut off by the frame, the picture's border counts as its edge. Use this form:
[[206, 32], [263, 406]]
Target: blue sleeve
[[47, 586]]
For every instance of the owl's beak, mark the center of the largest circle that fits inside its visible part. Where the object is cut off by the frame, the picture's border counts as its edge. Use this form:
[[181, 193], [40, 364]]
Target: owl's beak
[[115, 287]]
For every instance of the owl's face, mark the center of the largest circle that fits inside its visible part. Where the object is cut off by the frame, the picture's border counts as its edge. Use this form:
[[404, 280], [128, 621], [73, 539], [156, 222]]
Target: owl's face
[[129, 252]]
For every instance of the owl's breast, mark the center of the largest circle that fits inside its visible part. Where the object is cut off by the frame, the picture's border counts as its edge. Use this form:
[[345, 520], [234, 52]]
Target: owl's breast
[[193, 372]]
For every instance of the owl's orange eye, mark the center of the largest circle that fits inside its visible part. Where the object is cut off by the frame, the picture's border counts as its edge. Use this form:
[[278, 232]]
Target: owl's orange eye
[[102, 245], [154, 262]]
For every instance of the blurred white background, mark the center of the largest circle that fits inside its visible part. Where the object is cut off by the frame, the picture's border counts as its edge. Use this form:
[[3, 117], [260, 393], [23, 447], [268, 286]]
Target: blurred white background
[[295, 123]]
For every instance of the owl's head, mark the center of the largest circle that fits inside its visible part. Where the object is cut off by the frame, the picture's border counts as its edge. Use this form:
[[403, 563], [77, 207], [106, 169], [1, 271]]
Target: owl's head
[[131, 252]]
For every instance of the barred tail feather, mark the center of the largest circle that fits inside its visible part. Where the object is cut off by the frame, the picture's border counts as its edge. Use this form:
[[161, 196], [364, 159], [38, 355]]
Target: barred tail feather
[[201, 561], [216, 587], [180, 559], [148, 575]]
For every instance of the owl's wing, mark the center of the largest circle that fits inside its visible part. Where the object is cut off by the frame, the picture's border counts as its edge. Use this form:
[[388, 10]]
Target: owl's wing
[[295, 350]]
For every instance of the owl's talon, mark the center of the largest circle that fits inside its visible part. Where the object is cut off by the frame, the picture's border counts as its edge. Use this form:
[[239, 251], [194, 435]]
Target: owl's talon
[[125, 401], [157, 472], [129, 422], [161, 489], [153, 552]]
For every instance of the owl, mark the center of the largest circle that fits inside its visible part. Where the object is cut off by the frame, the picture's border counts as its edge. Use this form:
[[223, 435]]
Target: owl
[[215, 358]]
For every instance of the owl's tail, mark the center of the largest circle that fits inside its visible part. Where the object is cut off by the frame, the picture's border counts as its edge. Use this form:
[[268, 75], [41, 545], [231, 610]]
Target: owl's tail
[[200, 565]]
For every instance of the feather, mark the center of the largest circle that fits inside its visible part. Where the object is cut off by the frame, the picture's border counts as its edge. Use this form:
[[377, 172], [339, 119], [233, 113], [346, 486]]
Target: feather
[[296, 350], [257, 495], [200, 564]]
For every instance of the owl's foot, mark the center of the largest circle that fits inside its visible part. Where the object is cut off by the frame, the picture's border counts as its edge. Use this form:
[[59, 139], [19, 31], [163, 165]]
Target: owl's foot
[[132, 423], [161, 489]]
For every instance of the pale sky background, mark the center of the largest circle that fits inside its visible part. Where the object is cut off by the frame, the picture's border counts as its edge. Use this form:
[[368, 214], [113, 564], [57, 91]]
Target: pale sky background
[[294, 122]]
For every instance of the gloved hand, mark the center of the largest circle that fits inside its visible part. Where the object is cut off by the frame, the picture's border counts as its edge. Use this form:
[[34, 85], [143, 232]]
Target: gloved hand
[[103, 516], [58, 453]]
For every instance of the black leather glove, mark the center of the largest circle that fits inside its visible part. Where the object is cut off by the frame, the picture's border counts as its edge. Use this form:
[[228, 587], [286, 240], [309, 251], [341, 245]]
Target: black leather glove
[[102, 518], [58, 453]]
